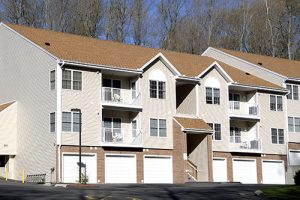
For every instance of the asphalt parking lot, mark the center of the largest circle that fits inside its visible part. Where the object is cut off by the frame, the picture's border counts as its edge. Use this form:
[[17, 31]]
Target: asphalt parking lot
[[18, 191]]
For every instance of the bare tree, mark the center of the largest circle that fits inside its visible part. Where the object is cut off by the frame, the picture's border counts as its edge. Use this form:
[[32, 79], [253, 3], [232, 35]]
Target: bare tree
[[139, 21], [119, 15]]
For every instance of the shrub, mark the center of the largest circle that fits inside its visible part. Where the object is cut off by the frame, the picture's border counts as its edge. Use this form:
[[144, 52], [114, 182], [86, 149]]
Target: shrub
[[297, 178]]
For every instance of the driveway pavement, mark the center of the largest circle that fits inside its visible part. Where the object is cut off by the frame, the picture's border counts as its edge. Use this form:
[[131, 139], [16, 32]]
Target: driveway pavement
[[18, 191]]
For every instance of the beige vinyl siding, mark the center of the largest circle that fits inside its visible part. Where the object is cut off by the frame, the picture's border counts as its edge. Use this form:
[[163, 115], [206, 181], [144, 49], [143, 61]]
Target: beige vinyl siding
[[24, 77], [8, 130], [293, 110], [261, 73], [188, 104], [199, 156], [89, 101], [158, 108], [271, 119], [212, 113]]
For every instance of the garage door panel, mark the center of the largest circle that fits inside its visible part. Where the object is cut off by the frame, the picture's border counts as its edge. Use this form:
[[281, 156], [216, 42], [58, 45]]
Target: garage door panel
[[71, 169], [273, 172], [219, 170], [120, 169], [244, 171], [158, 169]]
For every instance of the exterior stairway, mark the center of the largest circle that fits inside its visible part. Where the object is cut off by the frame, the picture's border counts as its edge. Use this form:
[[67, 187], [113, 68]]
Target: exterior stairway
[[192, 172]]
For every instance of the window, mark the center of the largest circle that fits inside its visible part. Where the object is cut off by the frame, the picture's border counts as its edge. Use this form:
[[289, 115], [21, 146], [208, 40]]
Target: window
[[291, 124], [134, 128], [277, 136], [69, 81], [66, 79], [77, 80], [52, 80], [112, 90], [158, 127], [297, 124], [276, 103], [294, 124], [235, 135], [212, 95], [157, 89], [52, 122], [112, 129], [70, 121], [217, 131], [293, 92]]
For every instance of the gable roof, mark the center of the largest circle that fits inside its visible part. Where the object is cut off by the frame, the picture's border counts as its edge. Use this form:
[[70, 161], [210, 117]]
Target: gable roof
[[285, 67], [70, 47], [193, 123], [4, 106], [245, 78]]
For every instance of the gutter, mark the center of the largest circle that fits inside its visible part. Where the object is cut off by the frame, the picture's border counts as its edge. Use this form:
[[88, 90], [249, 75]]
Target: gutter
[[189, 79], [192, 130], [283, 90], [101, 67]]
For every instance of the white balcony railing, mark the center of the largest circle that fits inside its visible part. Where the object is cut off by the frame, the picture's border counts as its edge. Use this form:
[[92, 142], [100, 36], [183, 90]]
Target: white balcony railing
[[243, 108], [237, 144], [120, 96], [122, 137]]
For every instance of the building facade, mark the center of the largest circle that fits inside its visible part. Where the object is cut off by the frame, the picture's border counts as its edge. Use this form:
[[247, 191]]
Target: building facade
[[146, 115]]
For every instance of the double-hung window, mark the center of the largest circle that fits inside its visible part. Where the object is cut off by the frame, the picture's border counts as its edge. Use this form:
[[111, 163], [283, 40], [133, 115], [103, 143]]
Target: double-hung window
[[235, 135], [52, 122], [70, 121], [158, 127], [276, 103], [277, 136], [293, 91], [52, 80], [294, 124], [157, 89], [71, 80], [217, 131], [212, 95]]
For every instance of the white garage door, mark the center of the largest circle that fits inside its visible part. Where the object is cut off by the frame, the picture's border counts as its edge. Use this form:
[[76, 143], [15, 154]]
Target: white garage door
[[120, 169], [220, 170], [273, 172], [158, 169], [294, 157], [244, 171], [71, 168]]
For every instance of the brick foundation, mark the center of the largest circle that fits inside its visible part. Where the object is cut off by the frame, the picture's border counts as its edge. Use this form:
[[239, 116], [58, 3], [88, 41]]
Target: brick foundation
[[258, 157]]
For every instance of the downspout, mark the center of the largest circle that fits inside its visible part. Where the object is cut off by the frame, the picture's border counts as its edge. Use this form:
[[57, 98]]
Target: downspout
[[59, 114]]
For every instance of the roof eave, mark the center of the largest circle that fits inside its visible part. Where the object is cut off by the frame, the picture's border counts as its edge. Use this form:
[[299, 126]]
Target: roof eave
[[260, 87], [197, 131], [101, 67]]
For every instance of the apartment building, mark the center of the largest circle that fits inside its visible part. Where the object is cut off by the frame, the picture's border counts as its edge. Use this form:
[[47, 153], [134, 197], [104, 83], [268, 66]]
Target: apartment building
[[286, 74], [147, 115]]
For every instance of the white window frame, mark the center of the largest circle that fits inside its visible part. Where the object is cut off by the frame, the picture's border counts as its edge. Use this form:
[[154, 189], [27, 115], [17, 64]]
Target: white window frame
[[292, 91], [158, 128], [276, 102], [213, 95], [277, 136], [50, 80], [72, 79], [112, 87], [157, 89], [72, 122], [54, 123], [294, 125], [234, 134], [214, 133]]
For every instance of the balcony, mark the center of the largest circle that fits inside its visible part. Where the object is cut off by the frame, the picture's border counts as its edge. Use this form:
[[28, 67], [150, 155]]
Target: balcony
[[121, 99], [239, 145], [243, 110], [118, 137]]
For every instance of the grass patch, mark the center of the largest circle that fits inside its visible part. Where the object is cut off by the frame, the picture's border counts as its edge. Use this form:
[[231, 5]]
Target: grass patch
[[282, 192]]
